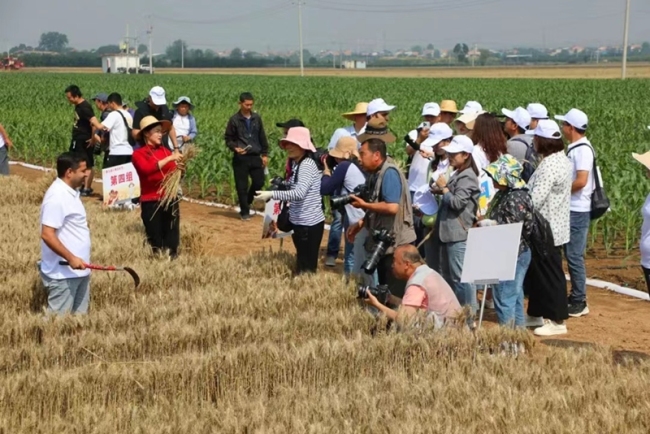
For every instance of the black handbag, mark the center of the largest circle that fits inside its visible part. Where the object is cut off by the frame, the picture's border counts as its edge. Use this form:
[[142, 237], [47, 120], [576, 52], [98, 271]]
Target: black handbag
[[599, 201], [283, 222]]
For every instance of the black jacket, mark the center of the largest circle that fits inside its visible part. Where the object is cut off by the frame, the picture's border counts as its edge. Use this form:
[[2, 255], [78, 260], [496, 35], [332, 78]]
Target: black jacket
[[238, 135]]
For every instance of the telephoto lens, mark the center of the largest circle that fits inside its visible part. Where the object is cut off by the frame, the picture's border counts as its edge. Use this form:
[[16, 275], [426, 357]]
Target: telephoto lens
[[384, 240], [381, 293]]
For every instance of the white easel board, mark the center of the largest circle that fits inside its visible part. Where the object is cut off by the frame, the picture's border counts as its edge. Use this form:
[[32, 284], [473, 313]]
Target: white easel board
[[491, 254]]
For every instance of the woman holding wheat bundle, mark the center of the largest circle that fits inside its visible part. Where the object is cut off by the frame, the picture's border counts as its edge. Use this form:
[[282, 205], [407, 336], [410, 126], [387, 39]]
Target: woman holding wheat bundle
[[153, 163]]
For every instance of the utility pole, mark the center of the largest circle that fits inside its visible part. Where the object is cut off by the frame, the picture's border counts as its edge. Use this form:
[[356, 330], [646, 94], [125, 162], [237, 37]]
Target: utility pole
[[625, 35], [474, 56], [150, 33], [182, 54], [302, 60]]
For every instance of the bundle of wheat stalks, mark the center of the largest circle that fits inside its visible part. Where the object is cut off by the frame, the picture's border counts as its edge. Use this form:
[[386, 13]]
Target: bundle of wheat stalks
[[171, 185]]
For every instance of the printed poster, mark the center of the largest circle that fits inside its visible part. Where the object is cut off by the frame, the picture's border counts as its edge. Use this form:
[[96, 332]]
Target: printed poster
[[269, 227], [487, 193], [120, 184]]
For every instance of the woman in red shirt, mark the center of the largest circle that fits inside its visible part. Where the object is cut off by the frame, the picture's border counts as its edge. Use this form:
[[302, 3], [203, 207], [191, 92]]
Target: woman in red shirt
[[152, 162]]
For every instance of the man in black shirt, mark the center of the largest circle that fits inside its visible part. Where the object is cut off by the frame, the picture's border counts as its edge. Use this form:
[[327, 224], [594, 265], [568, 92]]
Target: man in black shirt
[[245, 136], [101, 102], [82, 132], [155, 105]]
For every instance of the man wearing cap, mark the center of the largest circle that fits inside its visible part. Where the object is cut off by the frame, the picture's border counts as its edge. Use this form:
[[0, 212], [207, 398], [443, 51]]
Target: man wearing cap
[[517, 123], [471, 107], [358, 116], [537, 112], [246, 138], [82, 132], [389, 208], [448, 111], [378, 109], [155, 105], [581, 154]]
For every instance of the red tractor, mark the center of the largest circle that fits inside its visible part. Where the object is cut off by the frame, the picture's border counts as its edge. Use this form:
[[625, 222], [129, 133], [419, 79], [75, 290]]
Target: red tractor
[[11, 63]]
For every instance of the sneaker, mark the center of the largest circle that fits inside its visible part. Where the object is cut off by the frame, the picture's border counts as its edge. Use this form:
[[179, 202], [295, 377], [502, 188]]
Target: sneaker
[[550, 328], [577, 310], [86, 192], [246, 218], [330, 261], [534, 321]]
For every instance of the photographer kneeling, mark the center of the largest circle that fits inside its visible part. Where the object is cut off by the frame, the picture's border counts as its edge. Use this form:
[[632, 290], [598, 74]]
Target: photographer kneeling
[[425, 289], [345, 179], [388, 211]]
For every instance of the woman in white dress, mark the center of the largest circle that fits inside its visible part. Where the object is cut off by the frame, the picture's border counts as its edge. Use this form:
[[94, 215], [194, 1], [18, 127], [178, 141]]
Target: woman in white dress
[[645, 229]]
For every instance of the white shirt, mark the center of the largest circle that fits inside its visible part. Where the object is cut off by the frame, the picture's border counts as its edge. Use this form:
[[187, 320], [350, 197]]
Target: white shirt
[[480, 158], [645, 234], [63, 210], [348, 131], [418, 170], [182, 125], [443, 167], [2, 141], [353, 178], [550, 190], [119, 140], [583, 160]]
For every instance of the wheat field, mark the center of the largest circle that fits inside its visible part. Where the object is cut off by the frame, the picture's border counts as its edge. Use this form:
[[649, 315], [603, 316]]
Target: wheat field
[[236, 345]]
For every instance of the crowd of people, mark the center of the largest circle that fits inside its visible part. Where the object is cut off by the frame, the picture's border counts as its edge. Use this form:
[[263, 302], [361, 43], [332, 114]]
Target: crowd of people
[[404, 227]]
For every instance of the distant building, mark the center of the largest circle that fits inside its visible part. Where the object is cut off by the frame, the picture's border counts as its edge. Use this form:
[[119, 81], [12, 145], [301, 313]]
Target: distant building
[[120, 63], [354, 64]]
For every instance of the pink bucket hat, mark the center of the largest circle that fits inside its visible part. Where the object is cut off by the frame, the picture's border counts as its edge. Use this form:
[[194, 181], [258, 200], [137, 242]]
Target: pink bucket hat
[[298, 136]]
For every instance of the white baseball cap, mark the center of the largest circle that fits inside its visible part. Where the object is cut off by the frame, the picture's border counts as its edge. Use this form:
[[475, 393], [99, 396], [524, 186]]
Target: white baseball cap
[[377, 106], [460, 144], [471, 107], [437, 133], [548, 129], [424, 200], [576, 118], [537, 111], [519, 115], [431, 109], [157, 95]]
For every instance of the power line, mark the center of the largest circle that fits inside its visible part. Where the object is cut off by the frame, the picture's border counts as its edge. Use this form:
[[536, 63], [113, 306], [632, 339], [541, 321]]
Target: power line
[[398, 9]]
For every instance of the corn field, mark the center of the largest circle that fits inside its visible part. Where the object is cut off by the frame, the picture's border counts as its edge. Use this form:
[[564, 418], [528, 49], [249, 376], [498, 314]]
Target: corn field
[[236, 345], [38, 117]]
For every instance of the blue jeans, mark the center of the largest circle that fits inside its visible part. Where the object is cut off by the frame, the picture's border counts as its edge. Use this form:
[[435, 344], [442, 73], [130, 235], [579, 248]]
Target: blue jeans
[[574, 251], [334, 242], [509, 295], [452, 269]]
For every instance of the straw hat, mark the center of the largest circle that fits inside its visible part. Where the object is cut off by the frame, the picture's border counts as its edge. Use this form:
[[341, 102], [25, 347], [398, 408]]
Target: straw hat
[[642, 158], [448, 106], [345, 147], [376, 129], [300, 137], [360, 109], [149, 122]]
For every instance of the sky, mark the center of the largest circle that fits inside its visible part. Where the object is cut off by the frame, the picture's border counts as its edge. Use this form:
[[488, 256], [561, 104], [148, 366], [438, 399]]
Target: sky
[[371, 25]]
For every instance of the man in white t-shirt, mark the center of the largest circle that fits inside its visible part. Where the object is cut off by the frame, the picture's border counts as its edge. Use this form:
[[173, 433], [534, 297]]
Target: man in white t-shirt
[[5, 145], [65, 237], [119, 148], [581, 154]]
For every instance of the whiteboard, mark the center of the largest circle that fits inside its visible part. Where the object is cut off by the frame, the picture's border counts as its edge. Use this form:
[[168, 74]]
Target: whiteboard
[[491, 254]]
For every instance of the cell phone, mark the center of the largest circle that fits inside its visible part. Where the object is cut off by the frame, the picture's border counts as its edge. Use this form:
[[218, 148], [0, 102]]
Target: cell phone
[[247, 148]]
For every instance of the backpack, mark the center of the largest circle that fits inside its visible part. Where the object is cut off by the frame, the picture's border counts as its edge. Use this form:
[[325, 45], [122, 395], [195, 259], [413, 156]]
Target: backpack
[[530, 160], [129, 134], [599, 201]]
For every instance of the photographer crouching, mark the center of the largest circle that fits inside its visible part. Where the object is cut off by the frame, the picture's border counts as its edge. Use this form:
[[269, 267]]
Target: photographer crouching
[[389, 216], [425, 290], [341, 178]]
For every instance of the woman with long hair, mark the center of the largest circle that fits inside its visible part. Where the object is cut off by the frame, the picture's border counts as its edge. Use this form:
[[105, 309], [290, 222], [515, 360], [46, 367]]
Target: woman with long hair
[[489, 140], [550, 190], [305, 211], [457, 214], [152, 162]]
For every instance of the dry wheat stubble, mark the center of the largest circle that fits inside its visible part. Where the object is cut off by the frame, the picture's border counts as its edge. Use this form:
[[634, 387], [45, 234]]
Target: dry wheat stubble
[[235, 345]]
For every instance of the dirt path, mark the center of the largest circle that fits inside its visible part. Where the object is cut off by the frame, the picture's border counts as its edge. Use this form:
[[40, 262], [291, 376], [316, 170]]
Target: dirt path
[[615, 320]]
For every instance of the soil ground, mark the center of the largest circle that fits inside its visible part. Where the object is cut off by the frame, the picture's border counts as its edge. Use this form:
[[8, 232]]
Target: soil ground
[[613, 71], [618, 321]]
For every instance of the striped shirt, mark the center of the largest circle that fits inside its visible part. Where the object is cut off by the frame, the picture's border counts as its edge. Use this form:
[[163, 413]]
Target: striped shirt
[[306, 208]]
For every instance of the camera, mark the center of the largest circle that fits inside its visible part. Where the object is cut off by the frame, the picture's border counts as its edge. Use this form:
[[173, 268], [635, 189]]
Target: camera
[[279, 184], [381, 293], [320, 156], [384, 240], [338, 202]]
